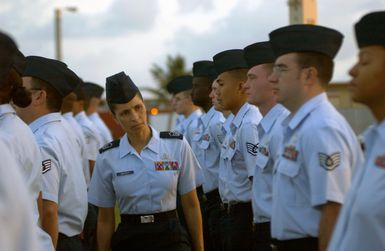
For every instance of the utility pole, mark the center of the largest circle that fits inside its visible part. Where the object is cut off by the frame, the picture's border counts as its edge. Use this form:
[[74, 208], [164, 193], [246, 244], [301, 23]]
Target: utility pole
[[58, 30]]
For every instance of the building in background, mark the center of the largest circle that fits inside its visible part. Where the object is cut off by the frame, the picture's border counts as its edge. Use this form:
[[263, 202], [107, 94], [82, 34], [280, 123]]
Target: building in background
[[358, 116], [302, 11]]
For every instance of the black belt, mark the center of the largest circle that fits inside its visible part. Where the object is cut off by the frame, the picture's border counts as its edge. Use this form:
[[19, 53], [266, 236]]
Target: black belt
[[258, 227], [308, 243], [63, 236], [148, 218], [213, 195], [234, 207]]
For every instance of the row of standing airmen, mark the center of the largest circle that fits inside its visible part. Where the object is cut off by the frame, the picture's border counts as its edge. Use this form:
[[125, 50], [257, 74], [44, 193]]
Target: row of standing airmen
[[275, 176], [277, 158], [51, 133]]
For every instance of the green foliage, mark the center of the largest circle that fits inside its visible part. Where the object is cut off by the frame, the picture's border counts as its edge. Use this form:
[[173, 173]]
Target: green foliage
[[175, 66]]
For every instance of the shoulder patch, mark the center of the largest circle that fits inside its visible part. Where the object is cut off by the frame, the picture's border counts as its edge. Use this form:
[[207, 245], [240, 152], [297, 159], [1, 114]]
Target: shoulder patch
[[110, 145], [171, 135], [329, 162], [252, 148], [46, 165]]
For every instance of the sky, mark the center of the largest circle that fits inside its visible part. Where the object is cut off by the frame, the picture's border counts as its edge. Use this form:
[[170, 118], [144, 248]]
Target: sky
[[105, 37]]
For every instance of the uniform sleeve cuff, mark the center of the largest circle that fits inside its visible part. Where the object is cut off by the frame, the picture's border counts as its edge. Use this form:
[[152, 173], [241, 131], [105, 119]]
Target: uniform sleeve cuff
[[331, 196], [187, 190], [101, 203], [50, 197]]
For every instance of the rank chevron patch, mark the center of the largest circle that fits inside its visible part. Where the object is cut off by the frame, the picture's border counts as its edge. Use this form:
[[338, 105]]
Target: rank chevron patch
[[252, 149], [329, 162], [46, 165]]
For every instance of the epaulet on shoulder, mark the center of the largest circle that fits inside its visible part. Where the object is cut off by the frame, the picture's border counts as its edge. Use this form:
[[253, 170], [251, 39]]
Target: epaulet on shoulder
[[171, 135], [110, 145]]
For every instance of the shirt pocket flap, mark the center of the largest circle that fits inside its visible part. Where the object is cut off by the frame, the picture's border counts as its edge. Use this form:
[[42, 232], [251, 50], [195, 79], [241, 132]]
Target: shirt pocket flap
[[261, 161], [204, 144], [230, 153], [196, 137], [288, 168]]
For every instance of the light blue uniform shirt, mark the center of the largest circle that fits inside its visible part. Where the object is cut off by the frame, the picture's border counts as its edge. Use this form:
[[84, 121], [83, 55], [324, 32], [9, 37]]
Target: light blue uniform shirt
[[81, 140], [143, 183], [22, 144], [225, 128], [361, 224], [317, 158], [270, 133], [179, 119], [63, 179], [104, 132], [188, 125], [18, 226], [21, 141], [207, 148], [238, 156], [91, 134]]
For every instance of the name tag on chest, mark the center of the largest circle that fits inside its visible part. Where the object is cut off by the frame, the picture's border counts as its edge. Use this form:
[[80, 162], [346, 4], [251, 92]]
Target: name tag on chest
[[125, 173], [166, 165]]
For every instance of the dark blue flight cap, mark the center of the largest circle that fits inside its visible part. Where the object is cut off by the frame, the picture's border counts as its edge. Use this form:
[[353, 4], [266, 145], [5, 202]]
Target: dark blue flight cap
[[370, 30], [53, 72], [259, 53], [204, 68], [79, 90], [92, 90], [305, 38], [229, 60], [180, 84], [120, 89]]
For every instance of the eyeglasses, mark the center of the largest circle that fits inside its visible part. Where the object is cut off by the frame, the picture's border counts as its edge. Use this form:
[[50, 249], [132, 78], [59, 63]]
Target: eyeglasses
[[279, 69]]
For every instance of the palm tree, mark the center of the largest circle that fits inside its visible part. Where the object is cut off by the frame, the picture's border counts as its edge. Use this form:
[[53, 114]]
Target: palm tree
[[175, 67]]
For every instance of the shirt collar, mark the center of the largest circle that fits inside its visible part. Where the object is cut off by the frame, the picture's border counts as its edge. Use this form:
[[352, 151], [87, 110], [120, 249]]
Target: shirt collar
[[227, 123], [126, 148], [374, 132], [195, 114], [68, 115], [94, 115], [237, 121], [205, 118], [45, 119], [269, 119], [6, 108], [81, 115], [305, 109]]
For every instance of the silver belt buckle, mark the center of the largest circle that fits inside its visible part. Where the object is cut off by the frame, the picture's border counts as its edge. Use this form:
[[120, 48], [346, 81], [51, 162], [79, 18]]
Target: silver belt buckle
[[147, 219]]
